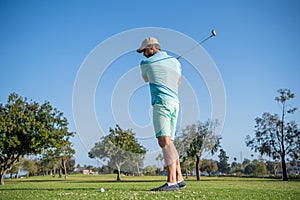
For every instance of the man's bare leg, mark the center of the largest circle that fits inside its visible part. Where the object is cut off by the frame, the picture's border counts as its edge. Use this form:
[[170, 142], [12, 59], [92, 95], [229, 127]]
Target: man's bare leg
[[172, 173], [172, 161], [178, 171], [171, 157]]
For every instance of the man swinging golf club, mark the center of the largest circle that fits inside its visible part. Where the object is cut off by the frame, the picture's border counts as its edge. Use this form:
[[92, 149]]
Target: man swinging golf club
[[163, 73]]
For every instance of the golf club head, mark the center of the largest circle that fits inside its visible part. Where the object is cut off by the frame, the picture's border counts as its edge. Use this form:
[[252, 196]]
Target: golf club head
[[213, 32]]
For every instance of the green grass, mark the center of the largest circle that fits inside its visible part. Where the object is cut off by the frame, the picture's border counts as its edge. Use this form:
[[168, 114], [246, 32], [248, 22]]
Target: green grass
[[87, 187]]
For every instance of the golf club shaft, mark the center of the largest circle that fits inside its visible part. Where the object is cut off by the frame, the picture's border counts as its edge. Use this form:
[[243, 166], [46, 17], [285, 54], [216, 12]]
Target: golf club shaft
[[199, 43]]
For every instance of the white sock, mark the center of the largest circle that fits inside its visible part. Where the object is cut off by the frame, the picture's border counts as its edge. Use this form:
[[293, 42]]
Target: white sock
[[169, 183], [180, 181]]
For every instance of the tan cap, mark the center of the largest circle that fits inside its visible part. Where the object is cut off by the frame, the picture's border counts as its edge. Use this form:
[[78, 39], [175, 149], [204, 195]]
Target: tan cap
[[146, 42]]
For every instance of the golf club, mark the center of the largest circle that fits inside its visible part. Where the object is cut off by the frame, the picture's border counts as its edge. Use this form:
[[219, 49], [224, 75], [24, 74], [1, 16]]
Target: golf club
[[213, 33]]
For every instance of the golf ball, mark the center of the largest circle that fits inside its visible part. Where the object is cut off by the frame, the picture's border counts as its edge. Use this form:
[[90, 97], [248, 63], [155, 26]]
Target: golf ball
[[101, 189]]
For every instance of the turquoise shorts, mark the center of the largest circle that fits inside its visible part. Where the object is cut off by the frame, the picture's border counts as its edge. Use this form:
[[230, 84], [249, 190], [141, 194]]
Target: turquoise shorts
[[165, 118]]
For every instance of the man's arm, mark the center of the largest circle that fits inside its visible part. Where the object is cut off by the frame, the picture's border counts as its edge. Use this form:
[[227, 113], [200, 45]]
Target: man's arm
[[145, 78], [179, 81]]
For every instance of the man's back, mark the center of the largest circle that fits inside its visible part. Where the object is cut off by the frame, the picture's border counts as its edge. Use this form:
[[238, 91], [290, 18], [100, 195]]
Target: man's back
[[163, 73]]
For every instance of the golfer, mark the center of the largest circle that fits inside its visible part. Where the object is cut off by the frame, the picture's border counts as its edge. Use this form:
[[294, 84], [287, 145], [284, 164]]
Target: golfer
[[163, 72]]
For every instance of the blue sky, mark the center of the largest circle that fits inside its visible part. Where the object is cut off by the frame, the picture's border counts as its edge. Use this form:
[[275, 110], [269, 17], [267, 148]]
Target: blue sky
[[256, 51]]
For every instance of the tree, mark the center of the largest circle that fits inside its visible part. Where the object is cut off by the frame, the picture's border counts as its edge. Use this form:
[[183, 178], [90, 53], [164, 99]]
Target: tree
[[61, 155], [260, 168], [273, 167], [117, 148], [134, 164], [209, 166], [250, 169], [196, 140], [30, 166], [160, 159], [223, 165], [14, 170], [188, 164], [234, 163], [150, 170], [274, 136], [48, 165], [246, 162], [236, 167], [79, 168], [27, 128]]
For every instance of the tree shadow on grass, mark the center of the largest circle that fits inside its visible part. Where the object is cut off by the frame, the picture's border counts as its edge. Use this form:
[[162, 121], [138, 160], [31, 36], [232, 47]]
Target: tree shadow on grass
[[45, 189], [77, 189], [88, 181], [114, 181]]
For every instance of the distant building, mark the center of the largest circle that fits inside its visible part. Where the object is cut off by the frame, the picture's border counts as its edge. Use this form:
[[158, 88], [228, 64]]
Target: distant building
[[86, 171]]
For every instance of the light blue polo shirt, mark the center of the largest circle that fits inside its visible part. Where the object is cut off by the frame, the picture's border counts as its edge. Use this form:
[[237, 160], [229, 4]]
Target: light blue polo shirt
[[163, 72]]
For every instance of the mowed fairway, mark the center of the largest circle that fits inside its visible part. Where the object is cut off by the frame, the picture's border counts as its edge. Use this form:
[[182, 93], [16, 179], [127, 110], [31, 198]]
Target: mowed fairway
[[87, 187]]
